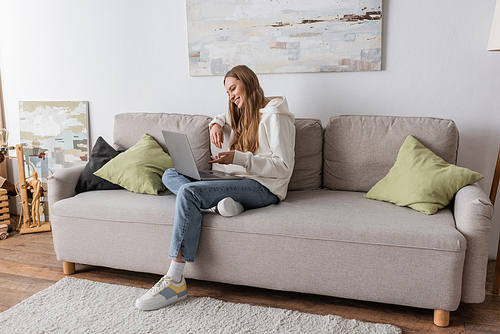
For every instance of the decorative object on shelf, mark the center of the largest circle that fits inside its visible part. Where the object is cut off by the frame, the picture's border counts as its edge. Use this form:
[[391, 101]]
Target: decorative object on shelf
[[4, 137], [284, 36], [494, 45], [54, 135]]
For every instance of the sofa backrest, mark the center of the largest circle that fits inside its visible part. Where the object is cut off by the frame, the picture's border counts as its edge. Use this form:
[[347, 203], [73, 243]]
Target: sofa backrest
[[352, 153], [360, 150], [307, 172], [129, 128]]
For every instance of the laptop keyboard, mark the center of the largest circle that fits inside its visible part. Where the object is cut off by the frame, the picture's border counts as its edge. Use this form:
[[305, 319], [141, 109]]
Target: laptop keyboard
[[209, 173]]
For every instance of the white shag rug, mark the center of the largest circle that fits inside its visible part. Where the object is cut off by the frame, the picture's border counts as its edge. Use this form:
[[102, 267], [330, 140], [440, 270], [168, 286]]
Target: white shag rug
[[81, 306]]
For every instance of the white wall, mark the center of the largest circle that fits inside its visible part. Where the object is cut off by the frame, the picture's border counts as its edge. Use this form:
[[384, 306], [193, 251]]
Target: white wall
[[131, 55]]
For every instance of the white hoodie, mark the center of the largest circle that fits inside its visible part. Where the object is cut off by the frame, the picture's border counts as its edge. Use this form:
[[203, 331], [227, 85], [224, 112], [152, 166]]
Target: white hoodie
[[272, 164]]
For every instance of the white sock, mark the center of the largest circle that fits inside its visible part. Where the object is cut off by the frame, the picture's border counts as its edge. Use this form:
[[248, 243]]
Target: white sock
[[175, 270]]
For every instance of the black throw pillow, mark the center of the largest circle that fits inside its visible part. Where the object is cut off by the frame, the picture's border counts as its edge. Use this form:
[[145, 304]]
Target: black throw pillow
[[101, 154]]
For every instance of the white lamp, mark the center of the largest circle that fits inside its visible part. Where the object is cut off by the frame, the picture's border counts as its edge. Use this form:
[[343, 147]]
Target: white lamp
[[494, 45], [494, 42]]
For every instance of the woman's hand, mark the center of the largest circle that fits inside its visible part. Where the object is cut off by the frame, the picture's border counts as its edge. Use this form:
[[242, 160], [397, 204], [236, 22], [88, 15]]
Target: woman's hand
[[216, 135], [223, 158]]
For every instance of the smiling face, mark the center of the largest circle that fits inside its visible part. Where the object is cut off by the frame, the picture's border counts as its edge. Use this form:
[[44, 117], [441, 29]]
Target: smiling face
[[235, 91]]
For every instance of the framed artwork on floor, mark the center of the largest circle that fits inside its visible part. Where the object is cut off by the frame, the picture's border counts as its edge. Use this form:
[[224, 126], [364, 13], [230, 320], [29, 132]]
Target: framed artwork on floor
[[54, 135]]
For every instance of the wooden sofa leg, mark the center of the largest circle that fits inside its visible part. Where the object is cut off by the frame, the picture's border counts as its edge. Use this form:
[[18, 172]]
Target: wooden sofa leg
[[68, 268], [441, 318]]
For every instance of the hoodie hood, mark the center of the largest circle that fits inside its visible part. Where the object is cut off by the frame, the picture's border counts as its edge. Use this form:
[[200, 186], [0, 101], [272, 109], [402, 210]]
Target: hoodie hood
[[277, 105]]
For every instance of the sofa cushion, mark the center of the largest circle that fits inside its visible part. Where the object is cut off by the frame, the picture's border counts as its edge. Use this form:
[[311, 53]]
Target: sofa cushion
[[140, 168], [360, 150], [118, 206], [102, 152], [421, 180], [129, 128], [330, 216], [307, 172], [336, 216]]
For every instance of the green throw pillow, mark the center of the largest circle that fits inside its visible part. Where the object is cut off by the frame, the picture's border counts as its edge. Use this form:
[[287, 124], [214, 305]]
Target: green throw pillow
[[140, 168], [421, 180]]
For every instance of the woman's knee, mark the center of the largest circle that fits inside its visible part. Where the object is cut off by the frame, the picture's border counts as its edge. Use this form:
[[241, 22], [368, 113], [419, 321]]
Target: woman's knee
[[191, 192], [185, 190]]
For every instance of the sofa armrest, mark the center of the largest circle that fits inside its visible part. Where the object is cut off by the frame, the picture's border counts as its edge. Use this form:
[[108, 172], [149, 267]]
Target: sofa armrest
[[62, 183], [473, 212]]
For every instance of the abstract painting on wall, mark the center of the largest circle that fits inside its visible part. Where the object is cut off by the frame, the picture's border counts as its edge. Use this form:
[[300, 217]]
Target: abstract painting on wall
[[278, 36], [54, 135]]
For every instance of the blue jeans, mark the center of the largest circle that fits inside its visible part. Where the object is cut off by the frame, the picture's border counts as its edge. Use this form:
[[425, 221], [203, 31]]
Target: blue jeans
[[192, 197]]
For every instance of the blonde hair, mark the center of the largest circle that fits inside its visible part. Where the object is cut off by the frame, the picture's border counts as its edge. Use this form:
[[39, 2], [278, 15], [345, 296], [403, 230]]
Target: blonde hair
[[245, 122]]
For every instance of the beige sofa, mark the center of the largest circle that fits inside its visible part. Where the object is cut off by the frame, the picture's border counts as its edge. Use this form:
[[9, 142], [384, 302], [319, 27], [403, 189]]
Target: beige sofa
[[343, 244]]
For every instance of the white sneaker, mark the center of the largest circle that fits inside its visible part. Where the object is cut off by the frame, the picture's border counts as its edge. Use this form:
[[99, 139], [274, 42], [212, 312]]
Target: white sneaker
[[163, 293], [212, 210], [228, 207]]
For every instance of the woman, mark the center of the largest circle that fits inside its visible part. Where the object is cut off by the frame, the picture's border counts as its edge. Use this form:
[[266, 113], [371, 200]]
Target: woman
[[262, 151]]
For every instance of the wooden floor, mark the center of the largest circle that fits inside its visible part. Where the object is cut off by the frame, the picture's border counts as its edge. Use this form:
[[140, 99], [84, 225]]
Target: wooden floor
[[28, 264]]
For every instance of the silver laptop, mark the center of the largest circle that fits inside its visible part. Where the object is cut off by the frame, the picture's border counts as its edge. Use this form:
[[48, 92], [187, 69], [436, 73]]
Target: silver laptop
[[183, 159]]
